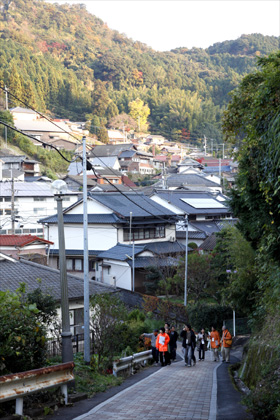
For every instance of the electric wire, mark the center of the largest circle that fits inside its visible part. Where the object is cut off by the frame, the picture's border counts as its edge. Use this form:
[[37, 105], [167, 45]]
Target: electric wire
[[39, 113], [89, 165], [34, 138]]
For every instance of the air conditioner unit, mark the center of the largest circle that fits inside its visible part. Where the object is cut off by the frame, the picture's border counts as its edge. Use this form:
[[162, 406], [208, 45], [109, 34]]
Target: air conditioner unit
[[172, 239]]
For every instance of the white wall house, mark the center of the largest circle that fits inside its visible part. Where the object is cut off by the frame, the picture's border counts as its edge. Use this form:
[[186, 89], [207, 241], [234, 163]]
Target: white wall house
[[114, 219], [32, 201], [205, 211]]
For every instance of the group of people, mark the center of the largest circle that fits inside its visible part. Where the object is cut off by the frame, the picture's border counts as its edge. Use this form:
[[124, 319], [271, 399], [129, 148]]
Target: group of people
[[164, 344]]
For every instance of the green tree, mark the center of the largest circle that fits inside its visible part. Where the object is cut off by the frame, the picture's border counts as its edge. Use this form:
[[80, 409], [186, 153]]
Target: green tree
[[253, 117], [22, 336], [108, 315]]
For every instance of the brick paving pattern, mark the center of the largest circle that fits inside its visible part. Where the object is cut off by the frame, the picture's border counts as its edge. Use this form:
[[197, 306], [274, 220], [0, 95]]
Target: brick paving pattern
[[173, 392]]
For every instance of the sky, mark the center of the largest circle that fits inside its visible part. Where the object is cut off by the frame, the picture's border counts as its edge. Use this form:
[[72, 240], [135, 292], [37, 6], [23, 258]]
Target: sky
[[164, 25]]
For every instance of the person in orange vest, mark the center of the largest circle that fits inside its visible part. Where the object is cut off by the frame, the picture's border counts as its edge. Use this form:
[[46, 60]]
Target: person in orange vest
[[226, 344], [215, 343], [162, 346]]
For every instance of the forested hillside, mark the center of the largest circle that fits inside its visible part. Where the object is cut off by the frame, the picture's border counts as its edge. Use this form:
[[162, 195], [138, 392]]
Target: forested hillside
[[61, 59]]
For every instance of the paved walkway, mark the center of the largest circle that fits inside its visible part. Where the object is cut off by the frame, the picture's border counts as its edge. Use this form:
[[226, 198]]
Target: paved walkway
[[173, 392]]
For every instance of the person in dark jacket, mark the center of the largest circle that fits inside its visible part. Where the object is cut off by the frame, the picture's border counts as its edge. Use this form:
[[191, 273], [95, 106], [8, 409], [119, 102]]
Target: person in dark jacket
[[173, 342], [201, 344], [188, 344]]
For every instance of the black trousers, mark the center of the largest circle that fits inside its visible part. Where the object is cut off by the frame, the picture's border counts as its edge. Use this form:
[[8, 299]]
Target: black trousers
[[173, 351], [201, 352], [164, 357]]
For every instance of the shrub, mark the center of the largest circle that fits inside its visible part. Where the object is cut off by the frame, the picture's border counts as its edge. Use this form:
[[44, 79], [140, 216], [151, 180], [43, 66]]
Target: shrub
[[22, 336]]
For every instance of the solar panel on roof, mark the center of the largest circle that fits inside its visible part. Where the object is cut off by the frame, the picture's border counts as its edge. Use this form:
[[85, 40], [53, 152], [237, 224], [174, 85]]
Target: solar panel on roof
[[203, 203]]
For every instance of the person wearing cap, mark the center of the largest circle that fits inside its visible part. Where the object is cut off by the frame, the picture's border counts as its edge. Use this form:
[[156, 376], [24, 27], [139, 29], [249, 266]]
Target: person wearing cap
[[162, 346], [153, 336]]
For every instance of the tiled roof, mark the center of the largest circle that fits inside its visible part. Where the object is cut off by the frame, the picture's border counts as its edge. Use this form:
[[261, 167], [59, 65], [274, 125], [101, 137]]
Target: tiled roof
[[22, 110], [209, 243], [127, 154], [181, 234], [165, 247], [14, 273], [121, 252], [176, 199], [75, 252], [21, 240], [144, 262], [78, 219], [138, 204], [110, 149], [26, 189], [213, 226]]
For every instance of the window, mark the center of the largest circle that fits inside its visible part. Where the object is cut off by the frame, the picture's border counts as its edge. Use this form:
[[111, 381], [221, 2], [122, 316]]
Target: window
[[8, 199], [144, 233], [8, 211], [74, 264], [39, 198]]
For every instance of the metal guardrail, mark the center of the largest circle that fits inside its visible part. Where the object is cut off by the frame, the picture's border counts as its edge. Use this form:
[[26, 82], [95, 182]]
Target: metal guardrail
[[129, 361], [17, 385]]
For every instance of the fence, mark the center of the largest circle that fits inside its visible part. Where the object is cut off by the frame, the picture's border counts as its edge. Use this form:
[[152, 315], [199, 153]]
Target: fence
[[16, 385], [241, 326], [54, 347], [129, 361]]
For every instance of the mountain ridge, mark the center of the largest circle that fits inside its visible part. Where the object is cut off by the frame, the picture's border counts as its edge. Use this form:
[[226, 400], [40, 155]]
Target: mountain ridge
[[65, 60]]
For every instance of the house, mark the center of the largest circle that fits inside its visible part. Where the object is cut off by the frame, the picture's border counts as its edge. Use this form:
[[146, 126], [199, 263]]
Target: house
[[109, 150], [22, 204], [56, 133], [24, 114], [30, 247], [189, 181], [113, 218], [116, 136], [207, 212], [76, 168], [20, 163], [15, 272], [188, 163], [125, 264], [135, 161]]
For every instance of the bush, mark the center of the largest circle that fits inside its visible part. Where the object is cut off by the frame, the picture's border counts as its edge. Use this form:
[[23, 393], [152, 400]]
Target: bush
[[22, 336]]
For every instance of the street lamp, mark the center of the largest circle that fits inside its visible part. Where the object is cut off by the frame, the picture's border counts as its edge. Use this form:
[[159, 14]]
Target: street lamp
[[60, 188]]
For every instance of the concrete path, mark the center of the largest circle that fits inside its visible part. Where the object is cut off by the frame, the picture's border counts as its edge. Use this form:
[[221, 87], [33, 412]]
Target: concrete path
[[173, 392]]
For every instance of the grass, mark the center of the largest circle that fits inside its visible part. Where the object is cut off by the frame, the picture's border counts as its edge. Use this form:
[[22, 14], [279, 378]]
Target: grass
[[87, 379]]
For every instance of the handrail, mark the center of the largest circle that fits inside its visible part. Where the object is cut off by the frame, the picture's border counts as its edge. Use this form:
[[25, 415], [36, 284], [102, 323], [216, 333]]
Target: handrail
[[17, 385], [129, 361]]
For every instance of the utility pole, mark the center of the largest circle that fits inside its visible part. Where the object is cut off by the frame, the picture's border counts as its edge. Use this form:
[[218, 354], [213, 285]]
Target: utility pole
[[205, 145], [6, 107], [186, 261], [163, 177], [133, 267], [86, 279], [130, 223], [212, 147], [13, 204], [223, 144], [67, 349]]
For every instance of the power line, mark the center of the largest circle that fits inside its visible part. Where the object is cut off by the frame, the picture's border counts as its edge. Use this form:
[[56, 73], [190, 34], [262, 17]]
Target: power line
[[34, 138], [39, 113]]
